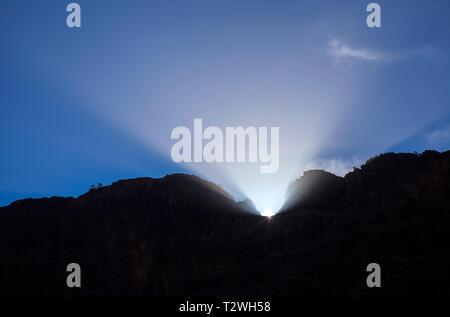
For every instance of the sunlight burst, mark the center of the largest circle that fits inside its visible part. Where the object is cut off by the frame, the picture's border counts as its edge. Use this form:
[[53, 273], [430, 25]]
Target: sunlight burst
[[267, 212]]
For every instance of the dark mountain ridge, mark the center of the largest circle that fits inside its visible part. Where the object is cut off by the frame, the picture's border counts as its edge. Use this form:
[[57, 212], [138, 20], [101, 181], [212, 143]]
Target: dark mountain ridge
[[181, 235]]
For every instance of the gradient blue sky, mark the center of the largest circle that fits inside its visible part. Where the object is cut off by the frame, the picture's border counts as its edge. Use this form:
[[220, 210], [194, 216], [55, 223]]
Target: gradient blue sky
[[97, 104]]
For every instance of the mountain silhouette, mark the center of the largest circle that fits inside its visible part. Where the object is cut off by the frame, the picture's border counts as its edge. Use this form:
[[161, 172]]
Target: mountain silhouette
[[183, 236]]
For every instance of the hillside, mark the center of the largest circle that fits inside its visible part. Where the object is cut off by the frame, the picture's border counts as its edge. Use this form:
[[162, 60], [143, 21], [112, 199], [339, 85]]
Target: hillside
[[180, 235]]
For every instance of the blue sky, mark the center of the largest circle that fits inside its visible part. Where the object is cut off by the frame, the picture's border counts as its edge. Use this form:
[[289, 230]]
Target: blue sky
[[97, 104]]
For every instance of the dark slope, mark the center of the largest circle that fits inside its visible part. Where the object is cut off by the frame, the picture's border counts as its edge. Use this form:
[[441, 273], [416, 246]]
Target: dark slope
[[140, 236], [180, 235]]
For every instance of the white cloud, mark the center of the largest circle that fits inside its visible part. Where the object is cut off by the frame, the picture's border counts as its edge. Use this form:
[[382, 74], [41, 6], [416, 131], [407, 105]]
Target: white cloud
[[338, 167], [341, 51]]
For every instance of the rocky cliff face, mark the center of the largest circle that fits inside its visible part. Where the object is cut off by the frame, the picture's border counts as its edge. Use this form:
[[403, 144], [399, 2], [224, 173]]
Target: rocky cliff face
[[180, 235]]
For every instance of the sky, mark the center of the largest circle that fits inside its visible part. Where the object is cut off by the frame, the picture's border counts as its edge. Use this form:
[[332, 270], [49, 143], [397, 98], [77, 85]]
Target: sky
[[98, 103]]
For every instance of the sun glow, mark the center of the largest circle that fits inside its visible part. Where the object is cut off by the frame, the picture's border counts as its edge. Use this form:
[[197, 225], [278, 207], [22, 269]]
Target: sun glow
[[267, 213]]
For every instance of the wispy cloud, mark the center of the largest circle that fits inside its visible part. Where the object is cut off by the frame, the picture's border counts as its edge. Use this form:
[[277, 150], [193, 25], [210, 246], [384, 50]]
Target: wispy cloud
[[439, 136], [338, 167], [342, 52]]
